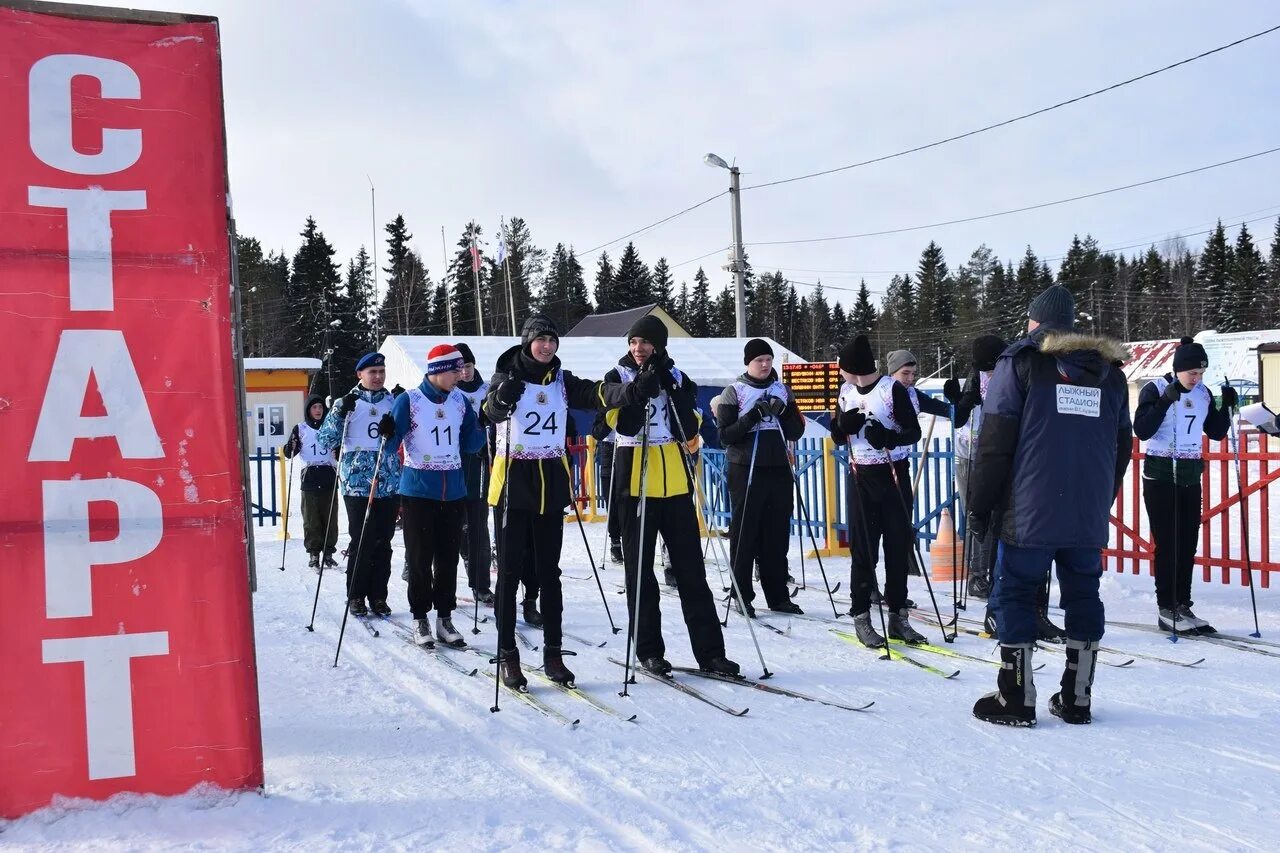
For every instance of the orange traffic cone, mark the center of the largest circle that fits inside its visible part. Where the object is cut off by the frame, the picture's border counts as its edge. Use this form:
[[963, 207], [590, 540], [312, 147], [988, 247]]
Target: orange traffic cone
[[946, 555]]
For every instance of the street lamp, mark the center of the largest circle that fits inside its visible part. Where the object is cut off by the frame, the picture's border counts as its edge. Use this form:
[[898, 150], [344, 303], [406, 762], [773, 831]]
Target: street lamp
[[739, 282]]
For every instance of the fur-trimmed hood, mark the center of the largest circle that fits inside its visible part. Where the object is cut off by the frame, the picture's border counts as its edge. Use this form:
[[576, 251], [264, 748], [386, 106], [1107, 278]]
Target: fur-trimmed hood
[[1058, 343]]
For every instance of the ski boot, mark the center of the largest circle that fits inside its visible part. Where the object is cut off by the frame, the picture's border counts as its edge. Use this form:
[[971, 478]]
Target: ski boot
[[380, 607], [1072, 702], [356, 607], [447, 634], [313, 562], [531, 615], [669, 578], [404, 574], [509, 667], [329, 562], [553, 666], [483, 596], [1048, 632], [866, 634], [1172, 620], [721, 666], [1199, 625], [989, 623], [1014, 702], [615, 550], [787, 607], [657, 665], [876, 598], [980, 586], [900, 628], [422, 632]]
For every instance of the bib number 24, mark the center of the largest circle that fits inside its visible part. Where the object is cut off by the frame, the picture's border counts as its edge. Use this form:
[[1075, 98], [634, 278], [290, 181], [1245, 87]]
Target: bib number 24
[[536, 425]]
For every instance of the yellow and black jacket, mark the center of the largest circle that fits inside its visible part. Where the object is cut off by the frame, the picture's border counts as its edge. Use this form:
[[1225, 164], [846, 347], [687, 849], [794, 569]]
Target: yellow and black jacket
[[666, 475]]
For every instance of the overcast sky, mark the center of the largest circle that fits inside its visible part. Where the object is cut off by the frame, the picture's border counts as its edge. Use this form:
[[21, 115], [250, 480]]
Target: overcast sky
[[590, 120]]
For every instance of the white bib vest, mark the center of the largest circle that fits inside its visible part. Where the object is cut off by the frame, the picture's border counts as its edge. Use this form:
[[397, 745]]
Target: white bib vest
[[749, 395], [1179, 434], [538, 422], [656, 410], [311, 453], [965, 434], [876, 404], [433, 440], [476, 397], [362, 424]]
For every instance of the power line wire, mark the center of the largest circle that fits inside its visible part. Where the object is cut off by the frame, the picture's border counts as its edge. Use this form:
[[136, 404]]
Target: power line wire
[[1017, 118], [653, 225]]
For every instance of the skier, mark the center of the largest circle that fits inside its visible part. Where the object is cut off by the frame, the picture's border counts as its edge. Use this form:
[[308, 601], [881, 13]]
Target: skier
[[1053, 451], [1173, 411], [757, 417], [319, 481], [529, 488], [475, 526], [876, 418], [606, 440], [359, 422], [669, 504], [437, 428]]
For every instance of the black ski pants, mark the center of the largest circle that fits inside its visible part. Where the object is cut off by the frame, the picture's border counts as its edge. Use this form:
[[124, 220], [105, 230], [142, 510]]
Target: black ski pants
[[369, 578], [1174, 512], [432, 535], [538, 537], [319, 510], [475, 543], [876, 508], [676, 520], [760, 530]]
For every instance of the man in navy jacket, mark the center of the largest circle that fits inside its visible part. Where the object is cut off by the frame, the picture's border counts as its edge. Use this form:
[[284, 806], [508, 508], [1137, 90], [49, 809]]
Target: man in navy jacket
[[1055, 445]]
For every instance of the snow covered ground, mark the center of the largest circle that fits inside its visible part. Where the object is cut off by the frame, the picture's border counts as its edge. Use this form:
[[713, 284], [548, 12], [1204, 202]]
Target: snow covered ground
[[393, 750]]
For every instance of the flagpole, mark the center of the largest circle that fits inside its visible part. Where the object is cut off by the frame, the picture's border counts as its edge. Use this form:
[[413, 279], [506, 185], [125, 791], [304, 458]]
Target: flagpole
[[475, 276], [506, 265], [444, 277]]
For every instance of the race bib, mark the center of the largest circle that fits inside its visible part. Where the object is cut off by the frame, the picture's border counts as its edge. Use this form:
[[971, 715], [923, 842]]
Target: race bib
[[1078, 400]]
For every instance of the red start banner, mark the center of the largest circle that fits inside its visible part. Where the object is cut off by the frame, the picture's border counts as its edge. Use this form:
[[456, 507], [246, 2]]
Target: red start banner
[[126, 644]]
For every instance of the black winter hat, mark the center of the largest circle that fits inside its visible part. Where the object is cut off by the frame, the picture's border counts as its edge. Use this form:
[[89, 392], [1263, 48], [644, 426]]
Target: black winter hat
[[754, 349], [535, 326], [651, 329], [468, 357], [986, 350], [857, 358], [1054, 308], [1189, 356]]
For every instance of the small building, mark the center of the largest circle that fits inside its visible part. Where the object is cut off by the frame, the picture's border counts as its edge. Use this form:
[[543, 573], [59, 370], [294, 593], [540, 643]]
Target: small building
[[618, 323], [275, 394]]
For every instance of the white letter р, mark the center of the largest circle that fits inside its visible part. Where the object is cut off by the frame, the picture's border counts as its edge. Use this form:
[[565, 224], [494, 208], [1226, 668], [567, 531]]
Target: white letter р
[[49, 89]]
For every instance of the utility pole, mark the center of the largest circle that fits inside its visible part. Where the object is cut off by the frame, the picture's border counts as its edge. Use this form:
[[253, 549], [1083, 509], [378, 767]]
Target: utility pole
[[739, 265], [506, 266], [373, 218], [475, 277], [444, 276]]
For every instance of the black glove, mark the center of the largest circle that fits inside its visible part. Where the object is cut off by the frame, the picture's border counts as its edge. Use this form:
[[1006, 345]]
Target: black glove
[[1174, 391], [295, 443], [387, 426], [979, 523], [876, 435], [665, 377], [776, 405], [349, 403], [852, 421], [397, 391], [951, 390], [510, 391], [1229, 397], [647, 385], [762, 409], [972, 396]]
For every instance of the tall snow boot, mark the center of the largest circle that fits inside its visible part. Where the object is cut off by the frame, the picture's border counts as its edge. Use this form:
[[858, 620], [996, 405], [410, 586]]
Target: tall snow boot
[[1014, 702], [866, 634], [553, 665], [1072, 703], [313, 562], [509, 668], [531, 614], [900, 628], [615, 550]]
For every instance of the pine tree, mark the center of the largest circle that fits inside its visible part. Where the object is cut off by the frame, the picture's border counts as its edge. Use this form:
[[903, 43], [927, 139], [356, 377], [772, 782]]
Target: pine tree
[[863, 317], [605, 290], [402, 273], [1154, 307], [791, 311], [724, 317], [526, 263], [564, 294], [1079, 270], [1211, 276], [1271, 303], [633, 284], [839, 329], [463, 284], [818, 324], [700, 314], [314, 293], [266, 325], [681, 308], [1246, 285], [357, 321], [661, 286]]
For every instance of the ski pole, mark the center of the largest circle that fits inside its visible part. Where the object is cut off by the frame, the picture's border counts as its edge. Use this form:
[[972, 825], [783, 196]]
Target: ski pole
[[504, 557], [634, 577], [364, 536], [1173, 637], [583, 530], [608, 495], [288, 490], [337, 486], [736, 542], [915, 552], [733, 580], [1244, 518]]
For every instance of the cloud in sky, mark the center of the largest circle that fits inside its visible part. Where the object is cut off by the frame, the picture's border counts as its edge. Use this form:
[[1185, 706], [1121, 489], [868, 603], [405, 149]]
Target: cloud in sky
[[590, 120]]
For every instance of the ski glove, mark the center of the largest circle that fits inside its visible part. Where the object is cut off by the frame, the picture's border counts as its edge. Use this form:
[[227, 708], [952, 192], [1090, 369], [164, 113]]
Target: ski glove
[[979, 523], [387, 426], [876, 435], [852, 421], [776, 405], [1229, 397], [647, 385], [349, 403], [510, 391], [951, 390], [1173, 392], [665, 378]]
